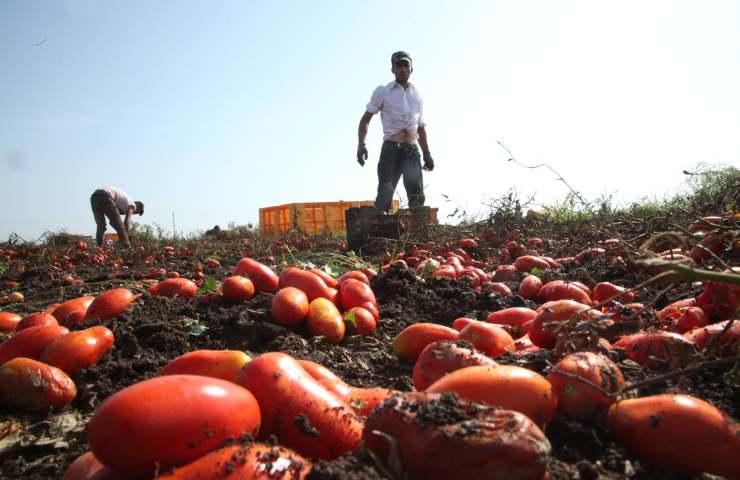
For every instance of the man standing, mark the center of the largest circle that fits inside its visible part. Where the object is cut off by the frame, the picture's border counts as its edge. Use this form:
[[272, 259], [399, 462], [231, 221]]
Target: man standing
[[402, 114], [112, 202]]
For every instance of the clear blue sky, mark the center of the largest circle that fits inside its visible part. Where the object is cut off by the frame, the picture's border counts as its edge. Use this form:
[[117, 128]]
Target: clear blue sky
[[215, 109]]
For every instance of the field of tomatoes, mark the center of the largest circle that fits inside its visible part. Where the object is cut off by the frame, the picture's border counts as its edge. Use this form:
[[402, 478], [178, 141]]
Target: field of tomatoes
[[518, 350]]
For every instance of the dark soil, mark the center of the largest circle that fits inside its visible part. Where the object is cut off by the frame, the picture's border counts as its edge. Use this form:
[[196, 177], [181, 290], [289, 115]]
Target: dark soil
[[158, 329]]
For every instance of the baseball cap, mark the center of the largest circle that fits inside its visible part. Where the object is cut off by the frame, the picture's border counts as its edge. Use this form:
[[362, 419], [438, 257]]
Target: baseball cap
[[399, 56]]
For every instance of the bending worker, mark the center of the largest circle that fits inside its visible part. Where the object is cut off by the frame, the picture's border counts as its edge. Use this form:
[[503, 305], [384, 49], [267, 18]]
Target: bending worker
[[112, 202], [402, 114]]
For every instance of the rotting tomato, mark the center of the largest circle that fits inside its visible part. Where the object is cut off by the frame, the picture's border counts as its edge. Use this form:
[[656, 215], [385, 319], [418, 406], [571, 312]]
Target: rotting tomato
[[442, 357], [298, 410], [467, 441], [586, 384], [33, 386]]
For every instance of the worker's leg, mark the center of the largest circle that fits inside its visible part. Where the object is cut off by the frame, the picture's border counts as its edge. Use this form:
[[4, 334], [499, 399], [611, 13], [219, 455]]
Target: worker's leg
[[389, 172], [111, 211], [413, 179], [98, 207]]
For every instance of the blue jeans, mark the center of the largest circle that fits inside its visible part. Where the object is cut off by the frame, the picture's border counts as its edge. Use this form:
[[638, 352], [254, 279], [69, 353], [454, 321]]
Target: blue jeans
[[396, 160]]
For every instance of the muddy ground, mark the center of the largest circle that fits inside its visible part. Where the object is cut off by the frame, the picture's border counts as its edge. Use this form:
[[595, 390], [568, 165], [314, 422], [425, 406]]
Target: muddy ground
[[158, 329]]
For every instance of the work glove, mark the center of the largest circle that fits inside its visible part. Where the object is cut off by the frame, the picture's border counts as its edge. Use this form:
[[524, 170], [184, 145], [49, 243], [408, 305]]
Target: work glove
[[361, 154], [428, 162]]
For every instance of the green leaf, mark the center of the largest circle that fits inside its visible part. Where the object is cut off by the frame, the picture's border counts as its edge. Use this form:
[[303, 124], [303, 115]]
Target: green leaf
[[535, 271], [351, 319], [209, 285], [195, 328], [430, 267]]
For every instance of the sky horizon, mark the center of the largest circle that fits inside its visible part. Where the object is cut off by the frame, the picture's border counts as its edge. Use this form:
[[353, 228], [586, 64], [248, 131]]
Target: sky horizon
[[212, 111]]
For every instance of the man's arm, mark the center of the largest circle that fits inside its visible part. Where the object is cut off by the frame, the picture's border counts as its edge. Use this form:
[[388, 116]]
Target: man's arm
[[361, 135], [428, 161], [129, 214]]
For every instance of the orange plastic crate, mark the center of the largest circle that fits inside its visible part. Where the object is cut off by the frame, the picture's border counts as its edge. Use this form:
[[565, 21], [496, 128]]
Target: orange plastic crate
[[312, 217]]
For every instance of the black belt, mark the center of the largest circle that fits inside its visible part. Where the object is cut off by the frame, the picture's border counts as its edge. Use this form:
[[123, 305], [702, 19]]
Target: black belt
[[399, 144]]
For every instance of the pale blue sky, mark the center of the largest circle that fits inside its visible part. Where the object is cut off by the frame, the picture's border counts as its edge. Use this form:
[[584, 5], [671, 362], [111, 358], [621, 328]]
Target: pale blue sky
[[215, 109]]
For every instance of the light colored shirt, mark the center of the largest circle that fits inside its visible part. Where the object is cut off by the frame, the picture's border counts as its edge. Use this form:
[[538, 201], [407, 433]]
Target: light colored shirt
[[120, 198], [400, 108]]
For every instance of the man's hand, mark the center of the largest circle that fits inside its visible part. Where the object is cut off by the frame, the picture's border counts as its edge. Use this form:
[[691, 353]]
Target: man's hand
[[361, 154], [428, 162]]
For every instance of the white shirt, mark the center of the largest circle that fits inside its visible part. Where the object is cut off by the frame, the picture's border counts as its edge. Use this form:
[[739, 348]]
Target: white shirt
[[120, 198], [400, 108]]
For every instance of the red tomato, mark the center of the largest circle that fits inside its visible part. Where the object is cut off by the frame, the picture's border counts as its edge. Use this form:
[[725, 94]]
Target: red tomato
[[542, 334], [414, 338], [87, 467], [237, 289], [169, 421], [506, 386], [559, 290], [372, 308], [360, 321], [440, 358], [467, 243], [500, 288], [487, 338], [213, 263], [330, 281], [73, 305], [476, 442], [683, 433], [9, 321], [324, 319], [36, 320], [289, 306], [655, 349], [109, 304], [585, 383], [30, 342], [516, 316], [34, 386], [719, 300], [608, 291], [80, 349], [171, 287], [241, 462], [353, 293], [728, 344], [328, 379], [530, 287], [309, 283], [264, 279], [223, 364], [321, 426], [364, 400], [527, 263]]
